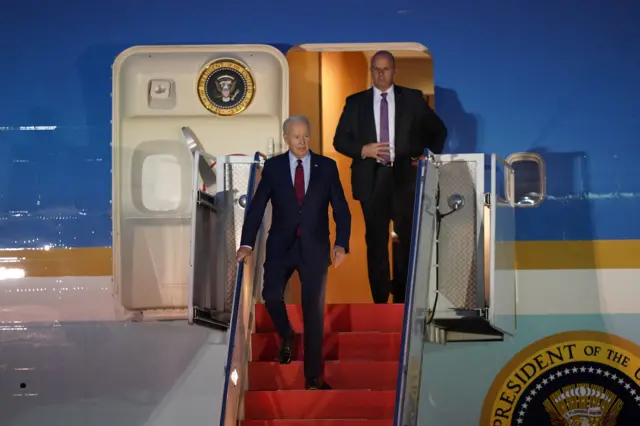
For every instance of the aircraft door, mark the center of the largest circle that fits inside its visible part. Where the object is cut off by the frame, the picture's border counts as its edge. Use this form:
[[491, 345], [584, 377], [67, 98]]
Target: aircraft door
[[225, 102]]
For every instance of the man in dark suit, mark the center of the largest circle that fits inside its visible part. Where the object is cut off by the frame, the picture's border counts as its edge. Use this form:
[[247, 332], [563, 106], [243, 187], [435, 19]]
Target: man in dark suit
[[384, 130], [300, 185]]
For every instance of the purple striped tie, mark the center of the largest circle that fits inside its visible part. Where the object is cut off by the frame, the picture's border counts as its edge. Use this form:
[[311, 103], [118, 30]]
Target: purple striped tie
[[384, 126]]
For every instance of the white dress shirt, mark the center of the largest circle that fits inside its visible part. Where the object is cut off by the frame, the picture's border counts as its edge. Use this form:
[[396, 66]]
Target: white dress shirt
[[391, 101], [306, 167]]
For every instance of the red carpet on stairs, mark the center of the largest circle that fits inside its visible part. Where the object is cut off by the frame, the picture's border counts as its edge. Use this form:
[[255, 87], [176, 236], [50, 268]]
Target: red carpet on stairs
[[361, 351]]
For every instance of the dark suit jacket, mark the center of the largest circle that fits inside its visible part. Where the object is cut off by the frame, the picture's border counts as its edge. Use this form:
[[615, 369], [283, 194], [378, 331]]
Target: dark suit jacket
[[417, 127], [287, 214]]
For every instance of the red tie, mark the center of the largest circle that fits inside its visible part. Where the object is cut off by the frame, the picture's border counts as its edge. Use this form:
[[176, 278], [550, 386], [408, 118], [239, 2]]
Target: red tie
[[298, 183]]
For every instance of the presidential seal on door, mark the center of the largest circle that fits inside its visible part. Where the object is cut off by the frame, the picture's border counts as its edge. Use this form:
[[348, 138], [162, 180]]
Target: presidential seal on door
[[226, 87]]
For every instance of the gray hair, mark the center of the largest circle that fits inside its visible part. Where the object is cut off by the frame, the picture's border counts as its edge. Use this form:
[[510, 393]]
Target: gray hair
[[295, 119]]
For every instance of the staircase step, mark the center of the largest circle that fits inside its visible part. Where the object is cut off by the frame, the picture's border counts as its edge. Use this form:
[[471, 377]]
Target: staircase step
[[318, 422], [330, 404], [366, 346], [375, 375], [342, 317]]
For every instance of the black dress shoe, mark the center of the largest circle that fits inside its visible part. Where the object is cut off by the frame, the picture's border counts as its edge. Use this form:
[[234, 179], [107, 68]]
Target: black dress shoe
[[316, 384], [397, 299], [284, 356]]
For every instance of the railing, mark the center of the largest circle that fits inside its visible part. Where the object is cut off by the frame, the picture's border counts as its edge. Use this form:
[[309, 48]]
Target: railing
[[247, 286], [415, 309], [216, 223], [206, 295]]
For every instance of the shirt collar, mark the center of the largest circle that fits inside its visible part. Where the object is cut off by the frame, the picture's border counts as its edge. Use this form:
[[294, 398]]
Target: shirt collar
[[377, 92], [293, 159]]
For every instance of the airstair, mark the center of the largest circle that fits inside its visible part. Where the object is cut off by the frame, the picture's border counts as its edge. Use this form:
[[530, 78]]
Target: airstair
[[461, 288]]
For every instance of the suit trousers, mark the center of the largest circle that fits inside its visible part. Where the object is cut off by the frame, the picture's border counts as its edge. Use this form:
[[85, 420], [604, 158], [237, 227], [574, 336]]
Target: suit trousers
[[391, 199], [277, 271]]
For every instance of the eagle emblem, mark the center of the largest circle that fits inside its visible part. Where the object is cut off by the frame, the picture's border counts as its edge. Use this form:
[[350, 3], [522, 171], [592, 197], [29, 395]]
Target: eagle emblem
[[225, 87], [583, 404]]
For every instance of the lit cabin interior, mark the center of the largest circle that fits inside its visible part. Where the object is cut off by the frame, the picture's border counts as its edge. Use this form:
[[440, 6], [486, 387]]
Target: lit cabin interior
[[321, 77]]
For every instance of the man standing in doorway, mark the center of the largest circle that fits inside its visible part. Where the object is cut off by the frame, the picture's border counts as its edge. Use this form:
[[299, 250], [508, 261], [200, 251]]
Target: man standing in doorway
[[300, 185], [384, 130]]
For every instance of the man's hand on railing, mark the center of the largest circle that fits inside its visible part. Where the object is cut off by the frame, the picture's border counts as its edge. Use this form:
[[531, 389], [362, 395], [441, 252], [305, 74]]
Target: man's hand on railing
[[243, 254], [414, 160]]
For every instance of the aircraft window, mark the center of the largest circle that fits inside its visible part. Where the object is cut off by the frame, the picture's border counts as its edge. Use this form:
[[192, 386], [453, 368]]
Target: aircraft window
[[529, 178], [161, 183]]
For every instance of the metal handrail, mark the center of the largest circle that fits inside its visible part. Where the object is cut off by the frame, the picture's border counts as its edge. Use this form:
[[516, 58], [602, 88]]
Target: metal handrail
[[237, 292], [408, 306]]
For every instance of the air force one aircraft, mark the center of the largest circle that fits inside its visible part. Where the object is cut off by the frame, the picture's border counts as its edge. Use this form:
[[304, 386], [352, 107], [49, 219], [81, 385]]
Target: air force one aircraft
[[133, 134]]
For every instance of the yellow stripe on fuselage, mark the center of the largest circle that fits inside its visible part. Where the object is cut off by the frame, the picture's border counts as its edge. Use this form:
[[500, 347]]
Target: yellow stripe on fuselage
[[530, 255], [73, 262], [596, 254]]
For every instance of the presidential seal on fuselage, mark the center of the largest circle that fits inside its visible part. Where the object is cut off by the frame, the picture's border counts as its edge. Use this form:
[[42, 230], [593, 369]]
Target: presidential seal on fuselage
[[225, 87], [577, 378]]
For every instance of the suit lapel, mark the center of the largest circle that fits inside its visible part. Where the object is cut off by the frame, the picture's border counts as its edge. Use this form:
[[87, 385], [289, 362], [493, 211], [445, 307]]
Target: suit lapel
[[371, 119], [399, 101], [286, 167], [314, 171]]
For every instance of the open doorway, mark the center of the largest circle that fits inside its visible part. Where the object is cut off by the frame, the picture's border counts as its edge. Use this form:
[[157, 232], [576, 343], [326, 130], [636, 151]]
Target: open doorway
[[321, 78]]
